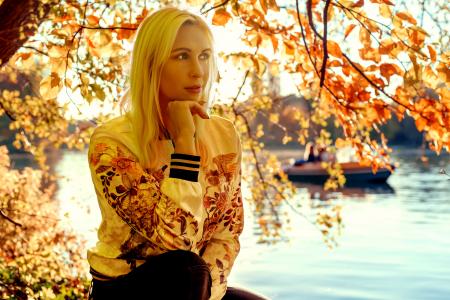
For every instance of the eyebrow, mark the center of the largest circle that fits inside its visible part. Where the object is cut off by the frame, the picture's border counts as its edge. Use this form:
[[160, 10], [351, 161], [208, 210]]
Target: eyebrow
[[189, 50]]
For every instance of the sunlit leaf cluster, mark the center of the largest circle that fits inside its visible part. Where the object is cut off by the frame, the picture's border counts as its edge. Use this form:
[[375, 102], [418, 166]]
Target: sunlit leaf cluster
[[39, 258]]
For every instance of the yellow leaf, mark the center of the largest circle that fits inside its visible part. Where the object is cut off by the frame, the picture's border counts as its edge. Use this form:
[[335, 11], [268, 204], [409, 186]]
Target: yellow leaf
[[274, 118], [286, 139], [364, 37], [57, 51], [99, 92], [46, 89], [385, 11], [340, 143]]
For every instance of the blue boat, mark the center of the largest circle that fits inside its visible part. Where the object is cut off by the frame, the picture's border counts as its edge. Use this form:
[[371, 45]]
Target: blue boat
[[355, 173]]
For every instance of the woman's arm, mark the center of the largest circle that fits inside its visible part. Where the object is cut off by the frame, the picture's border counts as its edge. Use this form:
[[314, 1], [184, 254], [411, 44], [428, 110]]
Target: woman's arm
[[224, 246], [166, 211]]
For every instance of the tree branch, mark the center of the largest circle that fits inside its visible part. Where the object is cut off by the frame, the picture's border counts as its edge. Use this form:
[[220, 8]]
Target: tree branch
[[17, 15], [323, 69]]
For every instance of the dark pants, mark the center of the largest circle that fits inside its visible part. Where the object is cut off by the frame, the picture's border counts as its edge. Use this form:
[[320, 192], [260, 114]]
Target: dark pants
[[174, 275]]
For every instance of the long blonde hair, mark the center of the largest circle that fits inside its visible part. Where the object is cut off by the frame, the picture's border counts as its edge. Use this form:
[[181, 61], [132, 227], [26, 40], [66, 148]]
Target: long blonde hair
[[152, 48]]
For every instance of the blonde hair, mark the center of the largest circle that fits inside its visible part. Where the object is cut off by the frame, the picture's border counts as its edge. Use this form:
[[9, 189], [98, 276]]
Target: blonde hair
[[152, 48]]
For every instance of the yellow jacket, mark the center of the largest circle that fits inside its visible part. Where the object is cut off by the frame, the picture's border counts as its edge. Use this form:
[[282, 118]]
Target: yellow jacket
[[183, 204]]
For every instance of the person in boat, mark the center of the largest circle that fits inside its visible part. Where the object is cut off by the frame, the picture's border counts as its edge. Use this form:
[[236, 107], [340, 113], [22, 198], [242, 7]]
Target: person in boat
[[310, 153], [167, 175], [324, 155]]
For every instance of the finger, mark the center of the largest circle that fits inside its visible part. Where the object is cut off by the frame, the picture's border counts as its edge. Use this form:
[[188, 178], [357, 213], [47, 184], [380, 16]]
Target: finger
[[199, 110]]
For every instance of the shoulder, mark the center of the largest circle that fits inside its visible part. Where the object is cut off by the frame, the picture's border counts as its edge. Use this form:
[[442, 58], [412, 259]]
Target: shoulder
[[117, 128], [224, 125], [224, 134], [114, 132], [118, 125]]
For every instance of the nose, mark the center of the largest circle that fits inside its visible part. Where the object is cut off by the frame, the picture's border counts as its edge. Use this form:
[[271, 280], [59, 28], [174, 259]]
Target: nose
[[196, 69]]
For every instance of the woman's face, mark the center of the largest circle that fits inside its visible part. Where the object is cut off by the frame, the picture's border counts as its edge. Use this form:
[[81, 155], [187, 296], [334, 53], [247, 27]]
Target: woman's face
[[186, 72]]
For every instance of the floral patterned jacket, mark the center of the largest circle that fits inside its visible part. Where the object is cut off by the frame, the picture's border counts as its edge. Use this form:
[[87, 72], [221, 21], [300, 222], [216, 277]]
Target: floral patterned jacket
[[186, 203]]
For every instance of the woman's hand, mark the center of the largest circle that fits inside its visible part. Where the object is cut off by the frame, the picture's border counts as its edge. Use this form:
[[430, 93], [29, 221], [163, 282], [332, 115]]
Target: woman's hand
[[181, 124]]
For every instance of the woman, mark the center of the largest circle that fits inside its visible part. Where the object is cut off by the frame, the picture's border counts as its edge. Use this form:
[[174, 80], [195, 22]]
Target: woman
[[167, 175]]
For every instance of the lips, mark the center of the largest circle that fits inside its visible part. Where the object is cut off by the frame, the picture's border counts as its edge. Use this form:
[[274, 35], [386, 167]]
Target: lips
[[195, 89]]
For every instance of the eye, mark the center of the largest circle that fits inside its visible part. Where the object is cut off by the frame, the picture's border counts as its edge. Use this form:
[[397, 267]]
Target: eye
[[181, 56], [204, 56]]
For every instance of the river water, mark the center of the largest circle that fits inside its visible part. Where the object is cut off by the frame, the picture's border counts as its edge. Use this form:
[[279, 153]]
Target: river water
[[394, 244]]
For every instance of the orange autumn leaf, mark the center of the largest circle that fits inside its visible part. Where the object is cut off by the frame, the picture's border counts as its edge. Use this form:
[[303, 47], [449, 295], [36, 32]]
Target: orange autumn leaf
[[417, 36], [386, 46], [406, 16], [421, 123], [432, 53], [274, 41], [360, 3], [349, 29], [92, 20], [55, 80], [423, 104], [90, 43], [386, 2], [221, 17], [273, 5], [370, 54], [263, 4], [443, 72], [126, 31], [334, 63], [388, 70], [24, 56], [334, 49]]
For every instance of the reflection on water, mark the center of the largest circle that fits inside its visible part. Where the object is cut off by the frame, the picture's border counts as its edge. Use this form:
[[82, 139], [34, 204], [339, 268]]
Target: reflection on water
[[357, 191], [395, 241]]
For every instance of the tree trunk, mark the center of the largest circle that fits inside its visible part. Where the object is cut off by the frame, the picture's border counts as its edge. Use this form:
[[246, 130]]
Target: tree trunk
[[19, 20]]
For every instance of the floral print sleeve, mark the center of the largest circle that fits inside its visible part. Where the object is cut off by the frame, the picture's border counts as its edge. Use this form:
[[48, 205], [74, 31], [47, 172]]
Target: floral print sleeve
[[166, 211], [223, 246]]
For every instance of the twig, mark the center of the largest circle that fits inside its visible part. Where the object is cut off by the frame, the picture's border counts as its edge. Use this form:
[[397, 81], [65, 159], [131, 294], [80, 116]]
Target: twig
[[214, 7], [2, 213], [310, 18], [35, 49]]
